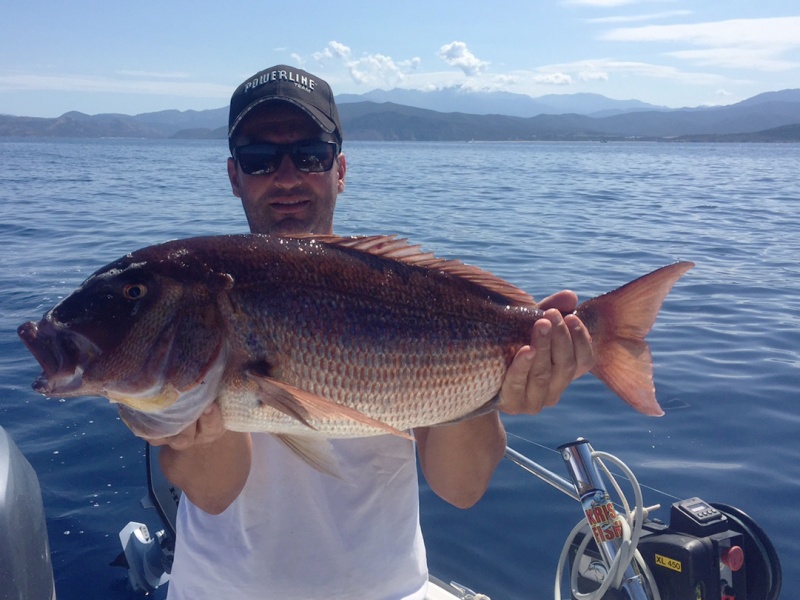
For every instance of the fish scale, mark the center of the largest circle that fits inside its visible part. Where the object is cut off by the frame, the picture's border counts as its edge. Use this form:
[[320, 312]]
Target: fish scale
[[401, 387]]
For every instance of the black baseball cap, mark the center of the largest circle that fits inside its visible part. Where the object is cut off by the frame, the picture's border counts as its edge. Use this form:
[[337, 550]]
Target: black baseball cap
[[286, 84]]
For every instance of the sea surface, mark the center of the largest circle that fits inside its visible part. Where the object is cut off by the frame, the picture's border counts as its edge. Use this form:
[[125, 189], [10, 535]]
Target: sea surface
[[546, 216]]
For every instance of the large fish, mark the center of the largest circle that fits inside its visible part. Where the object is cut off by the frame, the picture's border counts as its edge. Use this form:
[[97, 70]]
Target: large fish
[[315, 336]]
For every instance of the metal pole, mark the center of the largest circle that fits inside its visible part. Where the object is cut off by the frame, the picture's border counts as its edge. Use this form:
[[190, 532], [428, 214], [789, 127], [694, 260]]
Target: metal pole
[[545, 475], [603, 519]]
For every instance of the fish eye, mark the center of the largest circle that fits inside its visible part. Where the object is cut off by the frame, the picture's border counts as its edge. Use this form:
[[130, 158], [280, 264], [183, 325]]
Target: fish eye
[[134, 291]]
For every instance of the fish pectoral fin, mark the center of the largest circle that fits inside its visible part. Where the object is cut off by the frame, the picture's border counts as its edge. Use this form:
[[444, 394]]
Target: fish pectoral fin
[[305, 406], [282, 397], [314, 451]]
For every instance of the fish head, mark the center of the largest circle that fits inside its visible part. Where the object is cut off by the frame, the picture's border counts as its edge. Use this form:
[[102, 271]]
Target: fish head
[[140, 332]]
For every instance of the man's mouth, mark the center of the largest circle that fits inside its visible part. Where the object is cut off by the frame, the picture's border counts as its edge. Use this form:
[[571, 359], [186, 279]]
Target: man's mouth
[[288, 205]]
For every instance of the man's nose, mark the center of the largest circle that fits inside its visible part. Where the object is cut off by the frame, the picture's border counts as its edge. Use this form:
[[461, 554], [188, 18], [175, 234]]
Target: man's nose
[[286, 173]]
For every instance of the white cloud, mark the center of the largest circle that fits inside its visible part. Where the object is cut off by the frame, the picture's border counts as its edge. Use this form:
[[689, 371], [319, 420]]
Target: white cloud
[[494, 83], [593, 75], [84, 83], [758, 59], [456, 54], [381, 70], [639, 18], [751, 43], [553, 79], [506, 79], [370, 69], [778, 30], [333, 50], [606, 68], [339, 50], [602, 3]]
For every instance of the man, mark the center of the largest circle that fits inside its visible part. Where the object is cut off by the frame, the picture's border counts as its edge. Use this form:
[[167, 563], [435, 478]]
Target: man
[[254, 521]]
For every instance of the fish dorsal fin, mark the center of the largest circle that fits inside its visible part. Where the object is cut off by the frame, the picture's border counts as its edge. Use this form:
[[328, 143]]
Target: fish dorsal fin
[[393, 248]]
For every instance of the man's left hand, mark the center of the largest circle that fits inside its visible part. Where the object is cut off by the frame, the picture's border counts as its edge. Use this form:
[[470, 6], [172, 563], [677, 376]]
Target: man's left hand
[[560, 351]]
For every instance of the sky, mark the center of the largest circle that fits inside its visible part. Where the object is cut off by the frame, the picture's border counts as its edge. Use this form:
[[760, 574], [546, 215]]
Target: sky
[[106, 56]]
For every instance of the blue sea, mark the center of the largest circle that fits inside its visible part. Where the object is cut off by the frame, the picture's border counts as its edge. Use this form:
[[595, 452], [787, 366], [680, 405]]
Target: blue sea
[[545, 216]]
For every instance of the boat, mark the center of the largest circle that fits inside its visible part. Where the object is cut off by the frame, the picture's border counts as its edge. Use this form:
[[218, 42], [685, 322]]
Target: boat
[[26, 570], [710, 551]]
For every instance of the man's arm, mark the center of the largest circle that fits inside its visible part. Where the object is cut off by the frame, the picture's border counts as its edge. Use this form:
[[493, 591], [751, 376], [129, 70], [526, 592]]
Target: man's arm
[[209, 463], [458, 460]]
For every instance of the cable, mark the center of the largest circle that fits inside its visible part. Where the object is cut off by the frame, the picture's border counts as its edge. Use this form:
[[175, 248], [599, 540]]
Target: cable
[[627, 552]]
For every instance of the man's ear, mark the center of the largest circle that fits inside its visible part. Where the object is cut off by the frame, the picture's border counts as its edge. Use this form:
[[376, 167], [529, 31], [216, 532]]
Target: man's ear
[[233, 176], [342, 170]]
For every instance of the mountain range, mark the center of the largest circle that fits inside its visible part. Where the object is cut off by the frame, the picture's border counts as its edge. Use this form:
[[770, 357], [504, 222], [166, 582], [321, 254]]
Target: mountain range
[[457, 115], [456, 99]]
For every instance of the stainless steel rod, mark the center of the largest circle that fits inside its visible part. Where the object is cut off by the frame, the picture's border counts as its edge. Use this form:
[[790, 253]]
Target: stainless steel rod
[[542, 473]]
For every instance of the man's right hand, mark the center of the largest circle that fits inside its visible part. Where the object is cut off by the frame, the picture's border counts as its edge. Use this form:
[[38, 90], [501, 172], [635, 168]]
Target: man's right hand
[[208, 462], [206, 430]]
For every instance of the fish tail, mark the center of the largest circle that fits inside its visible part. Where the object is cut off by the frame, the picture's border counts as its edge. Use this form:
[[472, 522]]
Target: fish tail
[[618, 323]]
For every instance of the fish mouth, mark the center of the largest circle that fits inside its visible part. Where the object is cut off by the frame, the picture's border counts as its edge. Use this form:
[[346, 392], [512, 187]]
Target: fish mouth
[[62, 354]]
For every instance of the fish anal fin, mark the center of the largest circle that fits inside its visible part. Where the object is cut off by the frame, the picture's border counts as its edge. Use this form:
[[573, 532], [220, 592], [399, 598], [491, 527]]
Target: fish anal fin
[[314, 451], [305, 406]]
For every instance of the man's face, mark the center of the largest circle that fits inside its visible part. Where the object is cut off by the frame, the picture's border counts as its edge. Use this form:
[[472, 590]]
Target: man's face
[[287, 200]]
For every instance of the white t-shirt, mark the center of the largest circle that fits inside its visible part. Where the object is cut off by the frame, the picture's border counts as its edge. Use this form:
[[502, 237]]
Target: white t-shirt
[[295, 533]]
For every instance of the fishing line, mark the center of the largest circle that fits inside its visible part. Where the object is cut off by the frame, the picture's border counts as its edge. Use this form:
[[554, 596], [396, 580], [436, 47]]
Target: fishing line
[[524, 439], [554, 451]]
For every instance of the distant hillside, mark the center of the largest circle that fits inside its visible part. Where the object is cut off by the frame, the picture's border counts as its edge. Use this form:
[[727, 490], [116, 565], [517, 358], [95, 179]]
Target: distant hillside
[[147, 125], [172, 119], [753, 120], [388, 121], [786, 133], [395, 122], [744, 117], [782, 96], [77, 125], [455, 99]]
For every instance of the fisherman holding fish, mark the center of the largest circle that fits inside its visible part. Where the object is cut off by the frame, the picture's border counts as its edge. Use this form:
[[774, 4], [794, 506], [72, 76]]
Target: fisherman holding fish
[[290, 377], [255, 522]]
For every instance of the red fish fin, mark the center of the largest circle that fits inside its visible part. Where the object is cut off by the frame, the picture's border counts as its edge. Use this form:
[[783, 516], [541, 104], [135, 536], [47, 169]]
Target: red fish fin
[[626, 366], [314, 451], [393, 248], [618, 322], [304, 406]]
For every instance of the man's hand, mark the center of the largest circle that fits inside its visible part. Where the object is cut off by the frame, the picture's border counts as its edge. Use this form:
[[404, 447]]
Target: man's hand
[[207, 429], [208, 462], [560, 351]]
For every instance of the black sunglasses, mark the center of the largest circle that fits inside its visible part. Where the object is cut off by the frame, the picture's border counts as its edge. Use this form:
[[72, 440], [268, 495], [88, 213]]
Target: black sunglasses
[[309, 156]]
